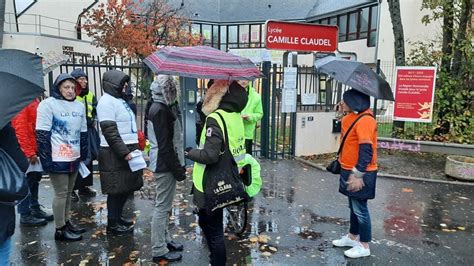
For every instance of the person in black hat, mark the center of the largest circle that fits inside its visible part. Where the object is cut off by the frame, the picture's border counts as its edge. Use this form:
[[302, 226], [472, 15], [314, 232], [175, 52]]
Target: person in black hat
[[358, 161]]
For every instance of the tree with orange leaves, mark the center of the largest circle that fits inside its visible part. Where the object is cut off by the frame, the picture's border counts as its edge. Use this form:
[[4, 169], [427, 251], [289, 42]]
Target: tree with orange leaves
[[135, 29]]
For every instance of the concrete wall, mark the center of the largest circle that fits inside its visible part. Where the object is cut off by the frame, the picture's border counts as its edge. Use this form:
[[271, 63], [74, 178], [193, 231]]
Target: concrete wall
[[315, 137]]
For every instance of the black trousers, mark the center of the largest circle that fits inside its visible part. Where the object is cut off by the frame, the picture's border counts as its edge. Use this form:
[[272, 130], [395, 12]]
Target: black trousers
[[81, 182], [213, 228], [248, 146], [115, 204]]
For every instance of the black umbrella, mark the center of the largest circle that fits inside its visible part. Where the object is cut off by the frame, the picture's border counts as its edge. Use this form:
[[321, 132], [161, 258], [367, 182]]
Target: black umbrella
[[21, 81], [356, 75]]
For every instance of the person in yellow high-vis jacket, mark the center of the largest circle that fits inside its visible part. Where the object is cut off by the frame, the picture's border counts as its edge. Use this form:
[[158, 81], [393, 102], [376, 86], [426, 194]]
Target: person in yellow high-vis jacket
[[228, 101], [89, 100], [252, 113]]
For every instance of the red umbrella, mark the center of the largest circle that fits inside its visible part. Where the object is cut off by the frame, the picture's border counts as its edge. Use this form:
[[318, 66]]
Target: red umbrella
[[202, 62]]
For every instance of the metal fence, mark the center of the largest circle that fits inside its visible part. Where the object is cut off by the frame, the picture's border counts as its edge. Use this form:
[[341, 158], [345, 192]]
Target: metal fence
[[95, 67], [40, 24]]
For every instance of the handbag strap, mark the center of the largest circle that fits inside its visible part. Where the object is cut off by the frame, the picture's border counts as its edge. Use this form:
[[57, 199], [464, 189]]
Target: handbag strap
[[349, 130], [226, 136]]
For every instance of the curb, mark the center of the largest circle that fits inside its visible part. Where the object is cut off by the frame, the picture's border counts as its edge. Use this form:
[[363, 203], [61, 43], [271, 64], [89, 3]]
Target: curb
[[410, 178]]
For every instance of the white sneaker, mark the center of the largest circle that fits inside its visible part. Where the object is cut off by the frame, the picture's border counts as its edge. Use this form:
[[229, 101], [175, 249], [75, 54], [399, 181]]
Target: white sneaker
[[345, 241], [357, 251]]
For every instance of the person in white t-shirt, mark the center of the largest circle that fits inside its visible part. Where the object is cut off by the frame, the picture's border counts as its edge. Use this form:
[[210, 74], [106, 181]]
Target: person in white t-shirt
[[61, 133]]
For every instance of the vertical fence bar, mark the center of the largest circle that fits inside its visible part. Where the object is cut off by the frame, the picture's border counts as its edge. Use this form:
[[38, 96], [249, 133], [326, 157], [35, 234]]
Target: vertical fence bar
[[375, 99], [264, 139], [274, 99]]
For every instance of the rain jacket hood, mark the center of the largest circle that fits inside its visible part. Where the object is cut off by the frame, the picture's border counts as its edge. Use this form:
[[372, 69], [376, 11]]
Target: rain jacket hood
[[164, 89], [113, 82], [79, 73], [220, 95], [60, 79], [356, 100]]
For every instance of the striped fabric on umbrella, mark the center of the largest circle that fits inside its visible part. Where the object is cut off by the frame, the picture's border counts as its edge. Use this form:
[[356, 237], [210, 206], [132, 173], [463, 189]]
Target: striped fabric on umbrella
[[202, 62]]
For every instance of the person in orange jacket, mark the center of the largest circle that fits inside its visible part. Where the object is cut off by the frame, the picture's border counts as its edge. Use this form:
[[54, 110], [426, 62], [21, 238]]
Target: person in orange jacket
[[30, 210]]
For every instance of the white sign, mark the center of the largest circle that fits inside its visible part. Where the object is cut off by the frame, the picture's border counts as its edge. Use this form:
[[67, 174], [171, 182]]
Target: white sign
[[288, 100], [289, 77], [308, 98], [258, 55]]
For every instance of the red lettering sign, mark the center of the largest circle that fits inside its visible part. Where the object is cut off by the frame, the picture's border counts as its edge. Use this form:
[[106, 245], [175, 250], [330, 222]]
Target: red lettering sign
[[414, 94], [291, 36]]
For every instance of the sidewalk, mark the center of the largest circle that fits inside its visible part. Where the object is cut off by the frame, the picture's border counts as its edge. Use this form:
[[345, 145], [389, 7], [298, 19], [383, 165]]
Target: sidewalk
[[298, 213], [420, 166]]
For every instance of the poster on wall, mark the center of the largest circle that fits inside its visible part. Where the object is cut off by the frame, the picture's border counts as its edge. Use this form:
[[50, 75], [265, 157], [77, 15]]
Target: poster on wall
[[289, 90], [414, 94]]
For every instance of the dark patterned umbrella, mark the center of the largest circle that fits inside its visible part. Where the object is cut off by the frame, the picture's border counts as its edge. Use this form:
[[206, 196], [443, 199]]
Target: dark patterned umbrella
[[202, 62], [21, 81], [356, 75]]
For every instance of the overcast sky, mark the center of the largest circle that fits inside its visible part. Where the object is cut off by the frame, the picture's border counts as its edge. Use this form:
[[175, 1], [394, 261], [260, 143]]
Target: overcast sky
[[21, 4]]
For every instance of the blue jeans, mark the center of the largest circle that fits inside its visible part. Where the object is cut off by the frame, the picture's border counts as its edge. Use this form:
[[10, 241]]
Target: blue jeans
[[360, 220], [5, 249], [31, 200]]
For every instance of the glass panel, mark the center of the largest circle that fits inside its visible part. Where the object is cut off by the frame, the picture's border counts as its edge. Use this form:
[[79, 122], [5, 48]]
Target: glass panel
[[364, 23], [215, 36], [373, 22], [342, 27], [206, 33], [255, 33], [244, 36], [232, 34], [196, 29], [353, 26], [333, 21], [223, 34], [372, 38]]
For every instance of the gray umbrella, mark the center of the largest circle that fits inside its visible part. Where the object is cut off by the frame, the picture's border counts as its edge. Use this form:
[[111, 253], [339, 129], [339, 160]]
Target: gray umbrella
[[356, 75], [21, 81]]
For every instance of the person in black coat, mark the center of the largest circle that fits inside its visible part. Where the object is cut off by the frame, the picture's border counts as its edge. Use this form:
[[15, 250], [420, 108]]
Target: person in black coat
[[9, 143], [119, 139], [164, 127]]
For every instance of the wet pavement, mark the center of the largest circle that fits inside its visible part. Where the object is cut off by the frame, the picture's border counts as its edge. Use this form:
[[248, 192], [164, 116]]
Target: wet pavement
[[298, 213]]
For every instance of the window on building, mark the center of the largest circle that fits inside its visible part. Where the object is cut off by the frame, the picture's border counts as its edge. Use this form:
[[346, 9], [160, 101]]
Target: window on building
[[215, 36], [352, 33], [207, 34], [333, 21], [244, 36], [223, 37], [372, 34], [196, 29], [364, 23], [232, 32], [342, 28], [255, 35]]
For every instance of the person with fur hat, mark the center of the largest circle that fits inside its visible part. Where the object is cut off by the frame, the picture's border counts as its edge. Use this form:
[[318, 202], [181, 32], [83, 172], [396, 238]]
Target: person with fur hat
[[61, 134], [358, 176], [87, 97], [118, 139], [167, 163], [228, 101]]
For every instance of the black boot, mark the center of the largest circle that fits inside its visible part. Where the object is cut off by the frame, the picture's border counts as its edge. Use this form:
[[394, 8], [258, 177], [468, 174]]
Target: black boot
[[125, 222], [87, 192], [74, 228], [39, 212], [63, 234], [74, 196], [115, 228], [172, 246], [30, 220], [168, 257]]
